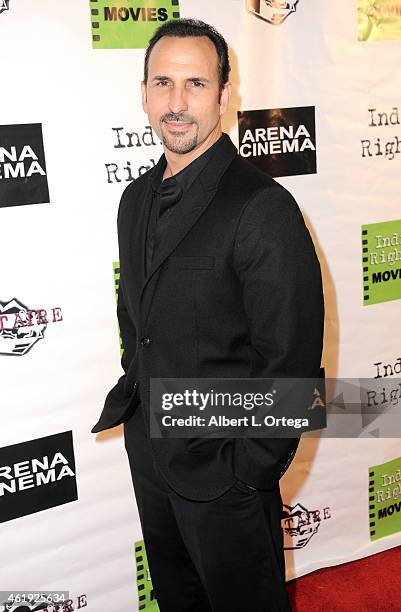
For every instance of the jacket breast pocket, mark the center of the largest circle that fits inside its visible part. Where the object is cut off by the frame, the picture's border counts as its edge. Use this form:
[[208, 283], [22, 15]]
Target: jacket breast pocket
[[191, 262]]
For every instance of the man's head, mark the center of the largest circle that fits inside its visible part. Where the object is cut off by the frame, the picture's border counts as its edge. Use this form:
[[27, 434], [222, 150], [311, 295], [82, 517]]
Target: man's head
[[185, 88]]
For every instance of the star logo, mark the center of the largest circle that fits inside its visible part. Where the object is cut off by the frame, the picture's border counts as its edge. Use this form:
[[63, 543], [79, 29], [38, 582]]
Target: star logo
[[299, 525], [272, 11], [4, 5], [20, 328]]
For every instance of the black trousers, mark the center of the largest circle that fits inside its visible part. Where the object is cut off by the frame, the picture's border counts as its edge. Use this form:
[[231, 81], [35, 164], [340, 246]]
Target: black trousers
[[220, 555]]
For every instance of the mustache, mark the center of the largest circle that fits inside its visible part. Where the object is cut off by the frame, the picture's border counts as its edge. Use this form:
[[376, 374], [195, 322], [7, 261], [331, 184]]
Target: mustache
[[178, 117]]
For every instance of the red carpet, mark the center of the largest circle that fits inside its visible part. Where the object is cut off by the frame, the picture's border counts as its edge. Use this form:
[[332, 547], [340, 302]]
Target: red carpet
[[371, 584]]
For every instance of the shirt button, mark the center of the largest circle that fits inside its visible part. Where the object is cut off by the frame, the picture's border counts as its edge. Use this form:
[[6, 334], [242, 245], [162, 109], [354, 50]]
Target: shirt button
[[145, 342]]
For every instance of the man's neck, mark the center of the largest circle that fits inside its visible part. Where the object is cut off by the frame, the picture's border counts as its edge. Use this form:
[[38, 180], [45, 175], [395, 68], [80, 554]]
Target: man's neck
[[177, 162]]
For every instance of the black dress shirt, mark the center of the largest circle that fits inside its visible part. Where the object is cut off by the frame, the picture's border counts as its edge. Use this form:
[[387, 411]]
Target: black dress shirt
[[166, 194]]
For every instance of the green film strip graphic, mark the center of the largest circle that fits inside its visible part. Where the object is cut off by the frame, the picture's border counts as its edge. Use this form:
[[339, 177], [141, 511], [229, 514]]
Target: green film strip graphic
[[129, 24], [381, 262], [146, 597], [116, 271], [372, 507], [385, 499], [365, 268]]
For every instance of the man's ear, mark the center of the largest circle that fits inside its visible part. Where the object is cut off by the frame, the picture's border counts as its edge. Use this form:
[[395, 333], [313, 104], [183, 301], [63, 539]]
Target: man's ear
[[225, 97], [144, 97]]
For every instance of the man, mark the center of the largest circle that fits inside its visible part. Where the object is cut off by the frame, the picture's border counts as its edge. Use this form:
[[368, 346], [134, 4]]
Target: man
[[218, 278]]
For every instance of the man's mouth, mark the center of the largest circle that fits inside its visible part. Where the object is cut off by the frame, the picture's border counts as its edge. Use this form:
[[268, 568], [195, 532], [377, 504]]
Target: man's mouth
[[177, 125]]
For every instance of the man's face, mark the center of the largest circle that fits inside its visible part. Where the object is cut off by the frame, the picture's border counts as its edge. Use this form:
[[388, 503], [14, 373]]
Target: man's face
[[181, 97]]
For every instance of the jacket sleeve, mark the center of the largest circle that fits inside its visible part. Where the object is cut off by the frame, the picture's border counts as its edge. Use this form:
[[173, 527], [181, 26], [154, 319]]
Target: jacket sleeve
[[282, 295], [127, 329], [121, 398]]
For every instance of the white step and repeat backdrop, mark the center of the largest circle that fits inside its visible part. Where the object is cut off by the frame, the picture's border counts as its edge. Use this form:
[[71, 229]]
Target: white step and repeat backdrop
[[317, 104]]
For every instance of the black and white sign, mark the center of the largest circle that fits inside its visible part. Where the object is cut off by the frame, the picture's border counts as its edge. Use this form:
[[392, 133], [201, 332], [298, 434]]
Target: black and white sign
[[23, 178], [37, 475], [279, 141]]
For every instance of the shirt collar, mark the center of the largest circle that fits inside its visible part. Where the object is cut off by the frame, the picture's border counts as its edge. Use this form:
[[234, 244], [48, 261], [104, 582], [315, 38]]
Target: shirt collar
[[187, 175]]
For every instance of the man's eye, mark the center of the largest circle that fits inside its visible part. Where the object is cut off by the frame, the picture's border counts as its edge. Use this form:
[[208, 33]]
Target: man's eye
[[197, 83], [162, 83]]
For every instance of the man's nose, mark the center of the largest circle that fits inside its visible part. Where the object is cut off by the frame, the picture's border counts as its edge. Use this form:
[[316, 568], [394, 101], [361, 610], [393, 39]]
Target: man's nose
[[177, 100]]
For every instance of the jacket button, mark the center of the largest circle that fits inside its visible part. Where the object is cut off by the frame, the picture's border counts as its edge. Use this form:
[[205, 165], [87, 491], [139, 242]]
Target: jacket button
[[145, 342]]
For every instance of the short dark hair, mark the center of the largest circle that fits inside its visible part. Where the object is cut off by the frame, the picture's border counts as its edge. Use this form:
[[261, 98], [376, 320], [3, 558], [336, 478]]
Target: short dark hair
[[192, 27]]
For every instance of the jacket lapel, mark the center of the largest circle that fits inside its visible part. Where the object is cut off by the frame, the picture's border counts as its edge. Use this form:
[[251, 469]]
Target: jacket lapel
[[137, 230], [189, 209], [194, 202]]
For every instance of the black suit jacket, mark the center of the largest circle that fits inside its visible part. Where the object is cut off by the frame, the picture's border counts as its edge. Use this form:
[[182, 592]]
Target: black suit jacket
[[234, 291]]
